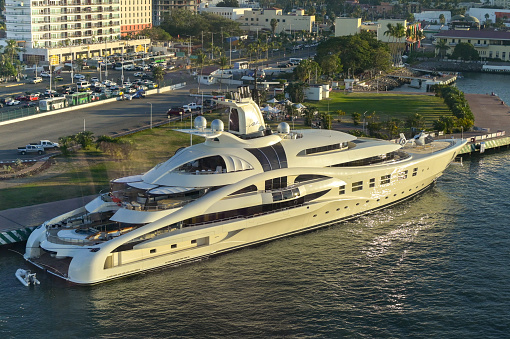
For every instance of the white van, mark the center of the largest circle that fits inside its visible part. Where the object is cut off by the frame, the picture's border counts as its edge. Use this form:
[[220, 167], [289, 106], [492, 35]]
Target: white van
[[82, 84]]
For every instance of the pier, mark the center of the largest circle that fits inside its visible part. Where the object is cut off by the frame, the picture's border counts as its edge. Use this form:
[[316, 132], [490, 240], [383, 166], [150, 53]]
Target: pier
[[427, 81]]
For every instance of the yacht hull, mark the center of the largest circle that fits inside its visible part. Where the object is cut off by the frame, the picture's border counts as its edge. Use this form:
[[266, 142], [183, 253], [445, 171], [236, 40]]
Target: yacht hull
[[199, 242]]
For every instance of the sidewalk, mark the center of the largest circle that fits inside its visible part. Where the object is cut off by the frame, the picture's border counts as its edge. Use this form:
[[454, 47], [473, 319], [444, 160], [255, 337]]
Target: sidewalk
[[31, 216]]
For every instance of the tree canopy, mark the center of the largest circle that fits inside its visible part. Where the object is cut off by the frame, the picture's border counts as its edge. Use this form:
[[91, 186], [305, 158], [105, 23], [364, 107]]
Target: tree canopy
[[182, 22], [156, 33], [465, 51], [228, 3], [358, 52]]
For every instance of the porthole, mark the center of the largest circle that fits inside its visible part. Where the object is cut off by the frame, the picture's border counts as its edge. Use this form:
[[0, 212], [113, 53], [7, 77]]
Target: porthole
[[386, 198], [327, 212], [357, 204], [395, 195], [338, 209], [314, 215], [174, 246], [366, 202], [346, 207], [378, 200], [153, 250]]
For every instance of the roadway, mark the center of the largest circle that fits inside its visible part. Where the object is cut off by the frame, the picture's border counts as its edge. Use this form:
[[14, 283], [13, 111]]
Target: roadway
[[107, 119]]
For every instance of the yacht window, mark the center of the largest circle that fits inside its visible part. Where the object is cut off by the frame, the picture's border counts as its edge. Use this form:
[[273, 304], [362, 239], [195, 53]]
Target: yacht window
[[270, 157], [357, 186], [372, 183], [212, 164], [308, 177], [415, 171], [174, 246], [247, 189], [385, 179], [382, 158], [234, 120], [402, 175], [153, 250], [341, 190], [276, 183], [325, 148], [277, 196]]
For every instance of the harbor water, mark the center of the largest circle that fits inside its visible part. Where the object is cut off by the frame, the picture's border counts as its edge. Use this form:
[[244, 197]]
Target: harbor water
[[435, 266]]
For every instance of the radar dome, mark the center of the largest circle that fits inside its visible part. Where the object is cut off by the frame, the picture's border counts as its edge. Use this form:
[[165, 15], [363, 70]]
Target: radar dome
[[217, 125], [284, 128], [200, 123]]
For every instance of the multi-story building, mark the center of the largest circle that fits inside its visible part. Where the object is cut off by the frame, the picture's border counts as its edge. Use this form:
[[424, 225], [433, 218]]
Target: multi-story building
[[232, 13], [488, 44], [59, 30], [260, 19], [135, 16], [351, 26], [165, 7]]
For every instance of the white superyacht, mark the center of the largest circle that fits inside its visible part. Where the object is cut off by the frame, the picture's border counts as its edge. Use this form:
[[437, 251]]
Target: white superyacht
[[239, 188]]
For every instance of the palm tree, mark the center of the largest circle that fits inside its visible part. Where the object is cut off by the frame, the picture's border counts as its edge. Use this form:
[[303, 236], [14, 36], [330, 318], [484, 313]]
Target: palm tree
[[11, 48], [157, 74], [442, 47], [274, 24], [223, 63], [400, 32]]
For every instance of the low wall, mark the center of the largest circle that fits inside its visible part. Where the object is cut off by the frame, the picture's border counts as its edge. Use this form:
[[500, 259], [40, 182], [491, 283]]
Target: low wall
[[90, 104]]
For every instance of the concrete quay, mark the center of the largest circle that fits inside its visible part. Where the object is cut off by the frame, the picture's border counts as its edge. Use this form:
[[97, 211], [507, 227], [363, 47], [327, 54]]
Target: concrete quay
[[492, 122]]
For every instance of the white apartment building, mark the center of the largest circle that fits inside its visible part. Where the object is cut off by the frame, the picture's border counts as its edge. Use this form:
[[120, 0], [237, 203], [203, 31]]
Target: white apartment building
[[135, 16], [232, 13], [58, 30], [260, 19]]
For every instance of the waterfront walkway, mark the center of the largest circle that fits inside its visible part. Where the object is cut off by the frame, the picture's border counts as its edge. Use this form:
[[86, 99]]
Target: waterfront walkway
[[490, 112]]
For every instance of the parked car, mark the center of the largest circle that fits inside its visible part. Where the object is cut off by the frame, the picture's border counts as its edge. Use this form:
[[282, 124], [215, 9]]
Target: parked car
[[45, 74], [94, 79], [139, 74], [31, 104], [59, 78], [79, 76], [36, 80], [13, 103], [50, 92], [175, 111]]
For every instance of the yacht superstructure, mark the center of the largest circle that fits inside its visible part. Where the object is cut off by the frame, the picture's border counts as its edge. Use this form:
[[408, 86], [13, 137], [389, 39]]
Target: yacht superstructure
[[240, 187]]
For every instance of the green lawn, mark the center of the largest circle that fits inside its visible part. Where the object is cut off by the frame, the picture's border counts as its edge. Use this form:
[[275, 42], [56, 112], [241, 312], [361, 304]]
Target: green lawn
[[387, 105]]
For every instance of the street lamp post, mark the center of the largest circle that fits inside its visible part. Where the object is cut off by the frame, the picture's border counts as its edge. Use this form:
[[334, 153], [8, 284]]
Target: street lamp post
[[150, 103], [364, 121]]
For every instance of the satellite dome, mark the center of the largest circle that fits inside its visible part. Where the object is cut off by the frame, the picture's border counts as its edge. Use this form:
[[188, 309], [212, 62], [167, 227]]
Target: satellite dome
[[200, 123], [283, 128], [217, 125], [472, 19]]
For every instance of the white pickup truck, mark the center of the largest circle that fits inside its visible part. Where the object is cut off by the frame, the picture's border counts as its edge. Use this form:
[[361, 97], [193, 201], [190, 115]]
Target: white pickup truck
[[45, 144], [191, 107], [31, 149]]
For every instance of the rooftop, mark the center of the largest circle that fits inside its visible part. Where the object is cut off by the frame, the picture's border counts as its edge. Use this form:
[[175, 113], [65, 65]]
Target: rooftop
[[483, 34]]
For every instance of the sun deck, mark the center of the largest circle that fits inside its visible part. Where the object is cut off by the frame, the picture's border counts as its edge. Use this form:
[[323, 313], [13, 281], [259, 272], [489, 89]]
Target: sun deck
[[432, 147]]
